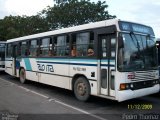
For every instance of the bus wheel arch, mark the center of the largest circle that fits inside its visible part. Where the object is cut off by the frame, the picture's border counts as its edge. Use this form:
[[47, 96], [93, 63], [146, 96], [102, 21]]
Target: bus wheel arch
[[81, 87], [22, 75]]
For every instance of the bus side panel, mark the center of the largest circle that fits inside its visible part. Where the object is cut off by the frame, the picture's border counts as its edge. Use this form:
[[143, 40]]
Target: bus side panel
[[30, 66], [94, 87], [55, 74], [8, 66], [87, 68], [54, 80], [33, 76], [2, 63]]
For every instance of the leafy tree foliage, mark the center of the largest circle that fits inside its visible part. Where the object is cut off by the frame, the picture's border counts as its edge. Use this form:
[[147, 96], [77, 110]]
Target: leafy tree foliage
[[65, 13], [17, 26], [75, 12]]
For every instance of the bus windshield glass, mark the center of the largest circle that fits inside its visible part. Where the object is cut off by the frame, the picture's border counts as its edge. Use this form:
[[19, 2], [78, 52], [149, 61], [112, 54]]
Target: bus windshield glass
[[133, 27], [138, 52]]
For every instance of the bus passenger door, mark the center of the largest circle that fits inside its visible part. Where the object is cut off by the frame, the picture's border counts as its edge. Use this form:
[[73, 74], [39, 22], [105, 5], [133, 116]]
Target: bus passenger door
[[107, 53], [14, 55]]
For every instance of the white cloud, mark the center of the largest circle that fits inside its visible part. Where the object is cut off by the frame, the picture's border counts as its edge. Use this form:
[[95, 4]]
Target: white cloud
[[142, 11], [26, 7]]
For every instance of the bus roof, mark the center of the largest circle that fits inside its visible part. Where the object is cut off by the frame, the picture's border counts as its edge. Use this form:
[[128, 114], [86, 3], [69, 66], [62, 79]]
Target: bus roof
[[67, 30], [70, 29]]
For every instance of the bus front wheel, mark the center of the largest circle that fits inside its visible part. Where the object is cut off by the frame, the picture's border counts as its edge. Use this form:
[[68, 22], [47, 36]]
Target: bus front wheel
[[22, 76], [82, 89]]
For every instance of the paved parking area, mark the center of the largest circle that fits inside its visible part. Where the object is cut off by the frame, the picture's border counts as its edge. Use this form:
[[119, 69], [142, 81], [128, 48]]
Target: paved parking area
[[17, 100]]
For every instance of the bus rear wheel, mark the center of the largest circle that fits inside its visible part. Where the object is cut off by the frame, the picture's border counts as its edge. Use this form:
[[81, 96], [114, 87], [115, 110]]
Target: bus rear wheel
[[82, 89], [22, 76]]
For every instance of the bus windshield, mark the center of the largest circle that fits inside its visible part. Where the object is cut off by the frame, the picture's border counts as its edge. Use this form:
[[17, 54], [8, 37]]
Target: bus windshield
[[138, 52]]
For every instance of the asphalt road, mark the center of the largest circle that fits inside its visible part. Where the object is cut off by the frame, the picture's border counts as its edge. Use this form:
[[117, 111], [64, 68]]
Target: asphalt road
[[35, 101]]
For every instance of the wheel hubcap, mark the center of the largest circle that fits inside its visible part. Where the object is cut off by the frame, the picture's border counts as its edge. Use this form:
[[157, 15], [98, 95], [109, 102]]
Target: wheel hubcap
[[81, 88]]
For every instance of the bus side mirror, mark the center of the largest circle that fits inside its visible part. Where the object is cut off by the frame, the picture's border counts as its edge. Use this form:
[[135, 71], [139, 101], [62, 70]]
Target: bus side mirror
[[120, 42]]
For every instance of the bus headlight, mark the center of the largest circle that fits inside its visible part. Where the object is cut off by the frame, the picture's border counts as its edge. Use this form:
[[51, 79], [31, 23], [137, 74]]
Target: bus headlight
[[131, 85]]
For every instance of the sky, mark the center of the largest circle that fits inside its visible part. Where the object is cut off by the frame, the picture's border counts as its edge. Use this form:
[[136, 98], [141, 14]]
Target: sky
[[142, 11]]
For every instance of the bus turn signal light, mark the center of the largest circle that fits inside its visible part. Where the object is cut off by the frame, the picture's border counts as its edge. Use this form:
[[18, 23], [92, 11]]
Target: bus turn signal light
[[126, 86], [122, 86]]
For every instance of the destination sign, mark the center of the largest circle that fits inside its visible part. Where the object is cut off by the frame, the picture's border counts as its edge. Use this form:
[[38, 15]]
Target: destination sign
[[133, 27]]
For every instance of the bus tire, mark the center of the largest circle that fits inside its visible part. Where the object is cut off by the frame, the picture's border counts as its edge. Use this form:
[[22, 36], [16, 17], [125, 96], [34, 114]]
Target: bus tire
[[82, 89], [22, 75]]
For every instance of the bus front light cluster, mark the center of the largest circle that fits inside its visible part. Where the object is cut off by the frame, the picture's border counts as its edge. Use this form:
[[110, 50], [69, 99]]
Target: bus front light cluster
[[138, 85], [126, 86]]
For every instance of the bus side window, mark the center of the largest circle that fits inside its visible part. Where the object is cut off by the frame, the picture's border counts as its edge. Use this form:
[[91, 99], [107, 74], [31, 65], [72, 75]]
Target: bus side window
[[73, 51], [91, 51], [24, 48], [9, 50], [45, 47], [18, 50], [61, 45], [84, 44], [33, 48]]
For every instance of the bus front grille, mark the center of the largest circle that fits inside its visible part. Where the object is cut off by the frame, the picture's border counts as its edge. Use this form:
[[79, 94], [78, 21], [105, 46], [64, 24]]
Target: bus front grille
[[145, 75]]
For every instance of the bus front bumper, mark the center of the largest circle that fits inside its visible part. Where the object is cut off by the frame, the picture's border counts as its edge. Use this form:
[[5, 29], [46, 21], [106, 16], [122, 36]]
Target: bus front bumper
[[130, 94]]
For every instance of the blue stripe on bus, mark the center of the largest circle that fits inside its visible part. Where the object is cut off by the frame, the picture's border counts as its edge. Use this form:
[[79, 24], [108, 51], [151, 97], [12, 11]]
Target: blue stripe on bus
[[88, 62], [81, 64], [67, 60], [27, 63], [107, 60], [72, 60], [106, 65], [84, 60]]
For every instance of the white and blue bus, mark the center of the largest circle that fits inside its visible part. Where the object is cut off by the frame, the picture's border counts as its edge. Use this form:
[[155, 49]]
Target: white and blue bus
[[112, 59], [2, 55]]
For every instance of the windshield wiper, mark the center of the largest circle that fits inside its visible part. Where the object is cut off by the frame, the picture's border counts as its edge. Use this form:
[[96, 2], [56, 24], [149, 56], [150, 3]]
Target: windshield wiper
[[137, 46]]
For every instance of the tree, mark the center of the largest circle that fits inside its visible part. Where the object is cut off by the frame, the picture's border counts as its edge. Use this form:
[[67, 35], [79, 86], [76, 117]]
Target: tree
[[65, 13], [17, 26], [76, 12], [7, 28]]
